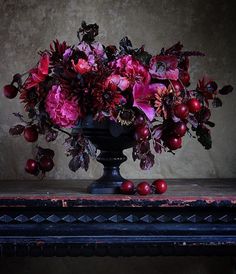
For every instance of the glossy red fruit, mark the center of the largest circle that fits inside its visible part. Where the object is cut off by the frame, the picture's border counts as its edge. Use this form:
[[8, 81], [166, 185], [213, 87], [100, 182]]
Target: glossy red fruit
[[178, 87], [174, 143], [142, 133], [144, 188], [10, 91], [127, 187], [31, 166], [46, 163], [184, 78], [139, 120], [179, 129], [160, 186], [31, 134], [194, 105], [181, 111]]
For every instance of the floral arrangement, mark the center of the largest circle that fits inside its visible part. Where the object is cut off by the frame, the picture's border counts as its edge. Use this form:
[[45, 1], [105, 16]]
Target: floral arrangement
[[127, 85]]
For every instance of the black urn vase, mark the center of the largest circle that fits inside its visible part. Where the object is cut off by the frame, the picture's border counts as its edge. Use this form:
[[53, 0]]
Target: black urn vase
[[111, 139]]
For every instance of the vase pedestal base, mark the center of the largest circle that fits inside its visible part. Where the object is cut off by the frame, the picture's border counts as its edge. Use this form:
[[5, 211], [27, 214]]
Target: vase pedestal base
[[111, 179]]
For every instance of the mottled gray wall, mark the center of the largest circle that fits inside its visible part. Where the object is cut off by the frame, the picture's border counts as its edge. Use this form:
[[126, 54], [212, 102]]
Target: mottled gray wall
[[208, 26]]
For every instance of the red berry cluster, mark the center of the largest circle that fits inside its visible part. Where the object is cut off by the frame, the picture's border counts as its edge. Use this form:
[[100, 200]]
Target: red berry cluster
[[144, 188], [43, 162], [175, 131]]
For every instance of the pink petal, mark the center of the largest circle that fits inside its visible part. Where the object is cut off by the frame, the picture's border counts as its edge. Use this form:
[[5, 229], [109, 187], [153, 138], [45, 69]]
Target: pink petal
[[172, 74], [123, 83], [147, 109], [140, 94], [160, 88]]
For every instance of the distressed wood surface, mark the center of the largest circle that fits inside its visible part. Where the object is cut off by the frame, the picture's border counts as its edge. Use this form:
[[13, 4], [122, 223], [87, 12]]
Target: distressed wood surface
[[181, 192], [59, 218]]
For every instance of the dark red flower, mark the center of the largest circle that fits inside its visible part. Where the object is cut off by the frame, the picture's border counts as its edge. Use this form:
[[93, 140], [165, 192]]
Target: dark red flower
[[164, 67], [207, 88], [57, 50], [82, 66], [106, 101], [39, 74]]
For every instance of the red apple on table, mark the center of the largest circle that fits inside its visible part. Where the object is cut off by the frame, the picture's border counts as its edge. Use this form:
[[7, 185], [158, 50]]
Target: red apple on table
[[160, 186], [144, 188]]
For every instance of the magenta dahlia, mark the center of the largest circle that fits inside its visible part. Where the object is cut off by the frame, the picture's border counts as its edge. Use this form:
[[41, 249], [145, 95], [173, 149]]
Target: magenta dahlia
[[132, 69]]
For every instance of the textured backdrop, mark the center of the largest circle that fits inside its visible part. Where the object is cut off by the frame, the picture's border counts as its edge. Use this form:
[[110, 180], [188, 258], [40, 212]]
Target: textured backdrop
[[29, 25]]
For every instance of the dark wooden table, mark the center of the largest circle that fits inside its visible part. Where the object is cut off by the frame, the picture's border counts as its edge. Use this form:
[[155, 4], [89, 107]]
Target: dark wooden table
[[58, 218]]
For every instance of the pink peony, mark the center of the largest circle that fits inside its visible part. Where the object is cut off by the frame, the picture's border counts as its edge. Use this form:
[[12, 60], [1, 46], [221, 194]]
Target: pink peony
[[128, 67], [115, 81], [63, 112], [82, 66], [164, 67]]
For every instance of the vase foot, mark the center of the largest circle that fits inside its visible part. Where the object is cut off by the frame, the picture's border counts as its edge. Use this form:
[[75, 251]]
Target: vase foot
[[99, 187], [111, 179]]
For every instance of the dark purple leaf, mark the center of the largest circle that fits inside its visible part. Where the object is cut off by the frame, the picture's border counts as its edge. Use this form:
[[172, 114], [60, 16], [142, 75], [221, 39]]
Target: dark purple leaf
[[51, 135], [157, 145], [203, 115], [125, 44], [16, 130], [89, 32], [175, 119], [210, 124], [204, 136], [193, 121], [75, 163], [226, 90], [144, 148], [45, 152], [157, 132], [111, 51], [91, 149], [147, 162], [143, 56], [85, 161], [135, 154], [175, 48], [216, 102]]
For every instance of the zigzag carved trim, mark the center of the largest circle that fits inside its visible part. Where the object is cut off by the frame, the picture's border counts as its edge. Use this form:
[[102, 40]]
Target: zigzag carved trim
[[117, 218]]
